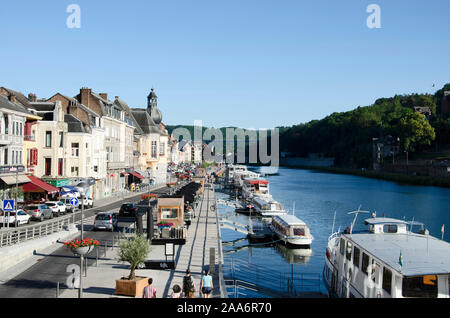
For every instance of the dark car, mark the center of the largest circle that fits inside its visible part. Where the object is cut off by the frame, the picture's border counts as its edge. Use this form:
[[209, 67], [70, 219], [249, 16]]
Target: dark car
[[128, 209]]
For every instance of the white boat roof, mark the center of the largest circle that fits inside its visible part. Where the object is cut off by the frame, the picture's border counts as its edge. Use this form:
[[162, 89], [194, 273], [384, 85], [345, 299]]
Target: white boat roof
[[384, 221], [421, 254], [290, 219]]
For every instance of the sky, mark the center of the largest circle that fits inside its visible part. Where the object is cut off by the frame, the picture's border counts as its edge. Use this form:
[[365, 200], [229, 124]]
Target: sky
[[245, 63]]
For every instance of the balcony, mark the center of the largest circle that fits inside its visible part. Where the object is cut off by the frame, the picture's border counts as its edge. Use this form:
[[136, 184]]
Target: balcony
[[12, 169], [29, 138], [10, 139]]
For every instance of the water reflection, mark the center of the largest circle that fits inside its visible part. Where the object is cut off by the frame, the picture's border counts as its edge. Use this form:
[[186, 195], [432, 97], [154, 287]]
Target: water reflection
[[294, 255]]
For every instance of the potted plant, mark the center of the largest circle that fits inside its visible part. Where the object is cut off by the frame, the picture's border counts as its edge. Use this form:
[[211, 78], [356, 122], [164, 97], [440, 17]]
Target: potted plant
[[164, 224], [82, 247], [134, 251]]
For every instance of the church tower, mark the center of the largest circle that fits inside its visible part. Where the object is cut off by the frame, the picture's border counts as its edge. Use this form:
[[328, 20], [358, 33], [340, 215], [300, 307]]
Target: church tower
[[152, 107]]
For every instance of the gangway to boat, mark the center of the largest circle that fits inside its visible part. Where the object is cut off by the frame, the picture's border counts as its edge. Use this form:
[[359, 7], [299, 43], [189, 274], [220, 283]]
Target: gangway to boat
[[235, 227]]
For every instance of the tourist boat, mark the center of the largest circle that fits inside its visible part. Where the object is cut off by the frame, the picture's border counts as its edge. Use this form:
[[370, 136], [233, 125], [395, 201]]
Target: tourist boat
[[254, 187], [240, 176], [291, 230], [266, 206], [232, 169], [386, 261]]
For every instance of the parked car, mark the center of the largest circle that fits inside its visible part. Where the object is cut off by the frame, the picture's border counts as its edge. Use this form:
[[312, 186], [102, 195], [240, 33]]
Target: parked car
[[69, 206], [14, 218], [39, 212], [106, 221], [57, 207], [88, 202], [128, 209]]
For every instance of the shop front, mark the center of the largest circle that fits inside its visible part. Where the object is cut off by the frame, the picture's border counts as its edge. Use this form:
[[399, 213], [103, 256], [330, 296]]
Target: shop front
[[38, 190]]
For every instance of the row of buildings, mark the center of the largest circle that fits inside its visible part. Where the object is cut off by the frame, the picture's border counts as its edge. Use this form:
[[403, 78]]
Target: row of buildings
[[88, 140]]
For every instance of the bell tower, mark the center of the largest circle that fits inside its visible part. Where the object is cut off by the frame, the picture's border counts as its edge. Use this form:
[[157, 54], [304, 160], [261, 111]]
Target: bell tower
[[152, 107]]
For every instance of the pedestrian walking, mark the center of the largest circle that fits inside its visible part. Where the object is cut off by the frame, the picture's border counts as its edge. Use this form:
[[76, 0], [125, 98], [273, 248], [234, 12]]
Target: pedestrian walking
[[149, 291], [176, 292], [188, 285], [206, 285]]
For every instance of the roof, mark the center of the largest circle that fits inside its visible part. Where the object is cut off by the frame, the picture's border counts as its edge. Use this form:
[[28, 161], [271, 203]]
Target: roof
[[127, 110], [290, 219], [421, 254], [145, 122], [385, 220], [74, 125], [256, 181], [37, 185], [5, 103], [21, 99]]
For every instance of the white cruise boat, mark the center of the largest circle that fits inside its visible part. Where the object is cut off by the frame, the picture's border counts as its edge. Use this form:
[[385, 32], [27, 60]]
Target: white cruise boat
[[267, 207], [387, 261], [291, 230], [232, 169], [241, 175], [253, 187]]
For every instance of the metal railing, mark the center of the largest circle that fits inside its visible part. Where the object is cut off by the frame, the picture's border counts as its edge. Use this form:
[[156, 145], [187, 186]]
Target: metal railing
[[26, 233]]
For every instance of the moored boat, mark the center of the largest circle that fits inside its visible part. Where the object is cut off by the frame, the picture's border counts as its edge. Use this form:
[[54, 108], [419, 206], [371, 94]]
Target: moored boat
[[291, 230], [386, 261], [266, 206]]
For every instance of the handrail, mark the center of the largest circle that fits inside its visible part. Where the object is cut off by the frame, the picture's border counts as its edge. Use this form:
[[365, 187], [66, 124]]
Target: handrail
[[30, 232], [223, 292]]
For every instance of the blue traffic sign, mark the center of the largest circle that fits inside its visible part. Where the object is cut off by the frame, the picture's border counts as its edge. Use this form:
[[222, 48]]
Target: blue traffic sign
[[8, 205], [74, 201]]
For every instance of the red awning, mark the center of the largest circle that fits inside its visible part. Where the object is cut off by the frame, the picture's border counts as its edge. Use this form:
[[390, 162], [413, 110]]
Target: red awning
[[137, 175], [254, 181], [37, 185]]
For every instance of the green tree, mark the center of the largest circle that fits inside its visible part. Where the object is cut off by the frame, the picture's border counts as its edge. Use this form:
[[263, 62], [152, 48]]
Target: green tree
[[134, 251], [415, 131]]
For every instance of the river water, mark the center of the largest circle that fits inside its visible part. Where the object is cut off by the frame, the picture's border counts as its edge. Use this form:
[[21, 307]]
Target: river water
[[316, 196]]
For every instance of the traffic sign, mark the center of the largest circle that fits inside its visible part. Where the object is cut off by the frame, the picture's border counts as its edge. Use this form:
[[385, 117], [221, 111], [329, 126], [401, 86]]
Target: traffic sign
[[8, 205], [74, 201]]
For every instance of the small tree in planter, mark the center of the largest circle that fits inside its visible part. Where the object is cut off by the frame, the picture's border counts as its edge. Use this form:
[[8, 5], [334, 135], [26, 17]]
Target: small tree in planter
[[134, 251]]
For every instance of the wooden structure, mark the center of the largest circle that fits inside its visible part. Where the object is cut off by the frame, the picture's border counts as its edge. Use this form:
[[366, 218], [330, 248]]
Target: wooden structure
[[171, 210]]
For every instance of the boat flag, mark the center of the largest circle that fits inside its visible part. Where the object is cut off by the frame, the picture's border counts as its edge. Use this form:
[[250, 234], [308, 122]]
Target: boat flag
[[443, 230], [400, 259], [351, 228]]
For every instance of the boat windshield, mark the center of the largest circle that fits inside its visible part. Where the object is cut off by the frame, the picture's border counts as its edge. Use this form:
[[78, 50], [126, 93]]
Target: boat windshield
[[299, 231]]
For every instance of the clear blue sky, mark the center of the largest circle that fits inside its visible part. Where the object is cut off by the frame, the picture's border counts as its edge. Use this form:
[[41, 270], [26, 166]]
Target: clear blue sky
[[246, 63]]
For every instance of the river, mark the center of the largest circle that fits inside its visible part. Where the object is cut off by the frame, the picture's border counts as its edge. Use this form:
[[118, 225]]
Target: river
[[317, 195]]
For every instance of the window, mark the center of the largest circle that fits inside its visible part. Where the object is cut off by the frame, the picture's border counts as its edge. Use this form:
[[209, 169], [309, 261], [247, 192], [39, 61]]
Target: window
[[6, 125], [154, 149], [75, 149], [61, 139], [95, 168], [349, 251], [21, 129], [356, 253], [342, 246], [6, 156], [420, 286], [74, 171], [48, 139], [48, 166], [161, 149], [60, 167], [387, 280], [365, 263], [299, 231], [390, 228], [169, 213], [107, 153]]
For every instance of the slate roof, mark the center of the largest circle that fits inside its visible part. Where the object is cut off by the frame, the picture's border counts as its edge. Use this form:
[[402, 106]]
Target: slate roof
[[122, 104], [21, 99], [75, 125], [145, 121], [5, 103]]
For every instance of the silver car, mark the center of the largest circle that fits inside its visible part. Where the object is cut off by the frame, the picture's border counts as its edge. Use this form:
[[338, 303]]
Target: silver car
[[39, 212], [106, 221]]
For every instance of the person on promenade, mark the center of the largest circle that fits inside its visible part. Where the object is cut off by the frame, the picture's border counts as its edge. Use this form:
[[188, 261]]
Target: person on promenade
[[176, 292], [188, 285], [206, 285], [149, 291]]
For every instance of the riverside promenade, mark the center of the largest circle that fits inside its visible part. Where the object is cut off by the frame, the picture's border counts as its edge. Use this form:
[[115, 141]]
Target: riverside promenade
[[203, 234]]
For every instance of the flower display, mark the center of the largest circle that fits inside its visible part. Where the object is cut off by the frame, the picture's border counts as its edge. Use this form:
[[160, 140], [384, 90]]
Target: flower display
[[165, 224], [77, 243]]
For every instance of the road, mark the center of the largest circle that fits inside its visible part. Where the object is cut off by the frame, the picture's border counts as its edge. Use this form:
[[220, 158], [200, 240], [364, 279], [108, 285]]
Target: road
[[40, 280]]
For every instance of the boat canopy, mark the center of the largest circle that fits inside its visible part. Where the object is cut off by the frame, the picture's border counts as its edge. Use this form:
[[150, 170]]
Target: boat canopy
[[289, 220], [256, 181]]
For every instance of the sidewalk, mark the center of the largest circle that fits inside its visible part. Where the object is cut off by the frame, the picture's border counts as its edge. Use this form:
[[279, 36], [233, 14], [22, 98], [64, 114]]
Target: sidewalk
[[202, 235]]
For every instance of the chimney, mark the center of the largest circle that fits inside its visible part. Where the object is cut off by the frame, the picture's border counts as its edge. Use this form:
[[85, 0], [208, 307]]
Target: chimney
[[84, 96], [32, 97], [104, 96], [12, 98]]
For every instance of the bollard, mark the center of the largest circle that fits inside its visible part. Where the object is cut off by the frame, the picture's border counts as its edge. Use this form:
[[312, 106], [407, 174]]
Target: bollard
[[85, 266], [96, 260], [57, 290]]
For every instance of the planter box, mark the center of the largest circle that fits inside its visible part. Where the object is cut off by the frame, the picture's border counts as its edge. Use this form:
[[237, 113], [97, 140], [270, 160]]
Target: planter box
[[132, 288]]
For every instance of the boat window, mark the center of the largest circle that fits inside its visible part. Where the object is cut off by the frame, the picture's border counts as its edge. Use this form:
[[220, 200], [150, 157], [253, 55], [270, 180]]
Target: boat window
[[420, 286], [390, 228], [342, 246], [349, 251], [299, 232], [356, 253], [387, 280], [365, 263]]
